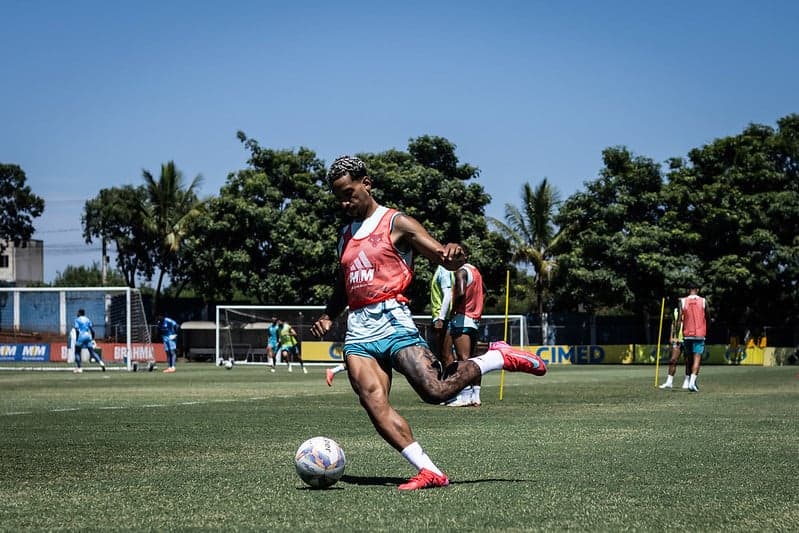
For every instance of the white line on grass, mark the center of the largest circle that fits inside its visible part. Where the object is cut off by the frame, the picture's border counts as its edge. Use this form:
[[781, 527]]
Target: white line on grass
[[148, 406]]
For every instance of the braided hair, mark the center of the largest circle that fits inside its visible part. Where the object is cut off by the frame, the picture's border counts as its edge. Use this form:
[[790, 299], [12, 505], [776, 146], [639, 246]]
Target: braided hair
[[346, 164]]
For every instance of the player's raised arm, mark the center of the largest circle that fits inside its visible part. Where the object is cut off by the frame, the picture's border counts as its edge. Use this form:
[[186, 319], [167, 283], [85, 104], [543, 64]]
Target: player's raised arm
[[451, 256]]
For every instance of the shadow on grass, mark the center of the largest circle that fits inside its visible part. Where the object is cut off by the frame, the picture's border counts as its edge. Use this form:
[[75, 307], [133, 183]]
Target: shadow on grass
[[371, 480], [393, 481]]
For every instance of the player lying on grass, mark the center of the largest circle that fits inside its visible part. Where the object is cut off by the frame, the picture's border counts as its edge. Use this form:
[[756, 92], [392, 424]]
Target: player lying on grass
[[376, 257]]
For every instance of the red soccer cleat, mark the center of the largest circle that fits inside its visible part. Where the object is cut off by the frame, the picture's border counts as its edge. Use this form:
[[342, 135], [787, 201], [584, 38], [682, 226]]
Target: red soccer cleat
[[425, 479], [329, 375], [519, 360]]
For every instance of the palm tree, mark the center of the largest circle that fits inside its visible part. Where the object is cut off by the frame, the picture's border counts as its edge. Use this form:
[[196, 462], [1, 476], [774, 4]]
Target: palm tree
[[168, 210], [533, 234]]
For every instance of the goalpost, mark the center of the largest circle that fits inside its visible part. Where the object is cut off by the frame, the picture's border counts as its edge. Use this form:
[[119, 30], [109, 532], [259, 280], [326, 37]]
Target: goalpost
[[241, 330], [35, 323]]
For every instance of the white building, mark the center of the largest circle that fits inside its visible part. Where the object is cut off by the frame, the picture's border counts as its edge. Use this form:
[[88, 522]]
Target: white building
[[22, 265]]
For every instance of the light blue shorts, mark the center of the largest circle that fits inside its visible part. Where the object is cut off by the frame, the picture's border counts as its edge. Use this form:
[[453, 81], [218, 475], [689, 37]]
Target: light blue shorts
[[469, 332], [289, 349], [385, 349], [84, 340], [694, 346], [169, 344]]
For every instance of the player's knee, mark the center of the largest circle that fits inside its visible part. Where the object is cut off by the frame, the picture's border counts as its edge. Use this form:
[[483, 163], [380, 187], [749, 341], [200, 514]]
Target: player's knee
[[433, 392], [433, 399]]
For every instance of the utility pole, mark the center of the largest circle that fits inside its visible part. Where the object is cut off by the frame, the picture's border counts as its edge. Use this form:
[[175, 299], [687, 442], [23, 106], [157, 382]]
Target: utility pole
[[104, 264]]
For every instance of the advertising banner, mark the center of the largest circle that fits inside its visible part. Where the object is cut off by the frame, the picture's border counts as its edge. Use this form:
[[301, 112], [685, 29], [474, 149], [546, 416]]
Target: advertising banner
[[58, 352], [332, 352], [27, 352], [322, 351], [115, 352], [714, 354]]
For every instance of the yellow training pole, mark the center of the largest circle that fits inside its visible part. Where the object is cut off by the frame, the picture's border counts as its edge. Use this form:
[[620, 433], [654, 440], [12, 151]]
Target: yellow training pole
[[505, 337], [660, 332]]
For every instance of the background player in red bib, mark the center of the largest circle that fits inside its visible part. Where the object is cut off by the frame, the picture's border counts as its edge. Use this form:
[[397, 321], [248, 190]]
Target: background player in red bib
[[693, 321], [467, 310]]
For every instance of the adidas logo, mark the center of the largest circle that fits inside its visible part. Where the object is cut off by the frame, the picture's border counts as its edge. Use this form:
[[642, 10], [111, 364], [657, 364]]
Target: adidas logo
[[361, 270]]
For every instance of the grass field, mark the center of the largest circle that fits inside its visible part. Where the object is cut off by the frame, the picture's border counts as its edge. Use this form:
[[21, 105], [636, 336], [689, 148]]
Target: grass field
[[582, 449]]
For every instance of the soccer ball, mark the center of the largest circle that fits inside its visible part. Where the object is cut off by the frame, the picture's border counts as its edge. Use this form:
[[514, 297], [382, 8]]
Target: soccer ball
[[320, 462], [228, 364]]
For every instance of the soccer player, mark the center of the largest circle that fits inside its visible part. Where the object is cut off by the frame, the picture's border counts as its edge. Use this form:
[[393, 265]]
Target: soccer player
[[272, 343], [84, 338], [330, 373], [693, 321], [376, 260], [467, 310], [441, 308], [289, 345], [676, 351], [168, 329]]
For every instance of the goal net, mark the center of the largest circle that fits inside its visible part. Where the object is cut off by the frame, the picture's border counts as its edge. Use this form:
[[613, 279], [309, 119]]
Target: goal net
[[35, 324], [242, 332]]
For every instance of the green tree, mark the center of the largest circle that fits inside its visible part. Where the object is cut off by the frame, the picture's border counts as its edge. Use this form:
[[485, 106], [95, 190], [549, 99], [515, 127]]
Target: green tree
[[270, 234], [735, 206], [532, 234], [438, 153], [18, 206], [115, 216], [613, 251], [168, 212], [82, 276]]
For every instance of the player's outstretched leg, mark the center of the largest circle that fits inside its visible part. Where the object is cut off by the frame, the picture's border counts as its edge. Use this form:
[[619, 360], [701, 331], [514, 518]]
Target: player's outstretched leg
[[519, 360]]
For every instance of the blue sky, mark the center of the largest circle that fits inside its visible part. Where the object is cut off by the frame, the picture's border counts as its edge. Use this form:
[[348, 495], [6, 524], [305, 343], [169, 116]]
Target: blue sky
[[96, 91]]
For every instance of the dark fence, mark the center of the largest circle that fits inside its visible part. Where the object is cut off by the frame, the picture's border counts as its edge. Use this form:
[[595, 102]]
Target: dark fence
[[585, 329]]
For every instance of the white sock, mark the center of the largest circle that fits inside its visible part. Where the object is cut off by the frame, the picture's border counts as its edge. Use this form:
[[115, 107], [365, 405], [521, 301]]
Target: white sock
[[692, 380], [476, 393], [669, 379], [415, 455], [466, 393], [338, 368], [489, 361]]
